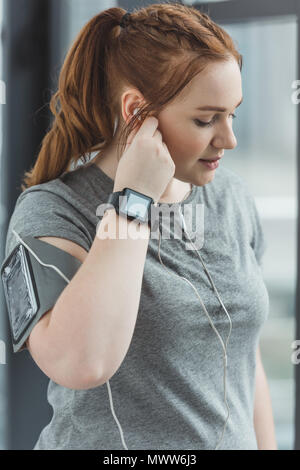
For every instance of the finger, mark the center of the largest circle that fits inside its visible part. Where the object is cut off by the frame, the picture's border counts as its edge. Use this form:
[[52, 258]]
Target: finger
[[157, 135], [148, 126]]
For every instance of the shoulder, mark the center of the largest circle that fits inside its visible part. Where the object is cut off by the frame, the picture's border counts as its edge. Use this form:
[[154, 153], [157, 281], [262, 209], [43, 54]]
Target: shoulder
[[42, 202], [243, 204], [66, 188], [47, 209], [49, 192], [230, 179], [235, 197]]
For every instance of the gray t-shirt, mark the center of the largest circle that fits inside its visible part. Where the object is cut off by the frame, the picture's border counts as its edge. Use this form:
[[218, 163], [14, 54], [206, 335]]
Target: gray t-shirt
[[168, 392]]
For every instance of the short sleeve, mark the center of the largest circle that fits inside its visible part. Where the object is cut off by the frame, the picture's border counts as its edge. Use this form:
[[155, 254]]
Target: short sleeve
[[39, 213], [252, 221], [42, 213]]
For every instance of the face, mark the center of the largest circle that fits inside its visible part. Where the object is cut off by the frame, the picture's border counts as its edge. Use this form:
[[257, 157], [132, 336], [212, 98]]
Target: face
[[192, 134]]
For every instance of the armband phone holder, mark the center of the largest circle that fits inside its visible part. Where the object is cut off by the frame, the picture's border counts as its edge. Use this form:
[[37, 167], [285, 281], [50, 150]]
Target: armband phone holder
[[30, 288]]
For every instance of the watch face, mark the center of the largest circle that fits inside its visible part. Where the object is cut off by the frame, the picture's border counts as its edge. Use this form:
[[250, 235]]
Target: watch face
[[135, 204]]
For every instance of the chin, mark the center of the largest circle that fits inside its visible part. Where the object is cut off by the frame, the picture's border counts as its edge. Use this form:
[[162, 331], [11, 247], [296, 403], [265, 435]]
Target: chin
[[204, 179]]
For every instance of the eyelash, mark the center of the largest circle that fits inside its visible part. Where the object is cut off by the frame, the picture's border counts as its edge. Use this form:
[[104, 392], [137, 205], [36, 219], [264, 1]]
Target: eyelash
[[210, 123]]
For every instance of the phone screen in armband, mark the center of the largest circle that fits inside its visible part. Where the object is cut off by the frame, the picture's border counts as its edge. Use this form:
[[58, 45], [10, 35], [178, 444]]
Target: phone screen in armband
[[20, 291]]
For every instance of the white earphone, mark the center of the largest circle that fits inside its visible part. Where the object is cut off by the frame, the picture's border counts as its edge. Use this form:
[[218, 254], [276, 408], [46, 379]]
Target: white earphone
[[117, 119], [135, 111]]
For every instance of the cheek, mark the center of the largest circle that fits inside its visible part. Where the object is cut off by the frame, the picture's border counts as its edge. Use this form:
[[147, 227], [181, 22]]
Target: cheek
[[190, 145], [183, 141], [198, 141]]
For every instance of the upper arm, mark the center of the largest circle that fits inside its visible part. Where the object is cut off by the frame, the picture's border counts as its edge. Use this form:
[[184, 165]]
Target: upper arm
[[37, 340], [259, 364], [42, 212], [73, 249]]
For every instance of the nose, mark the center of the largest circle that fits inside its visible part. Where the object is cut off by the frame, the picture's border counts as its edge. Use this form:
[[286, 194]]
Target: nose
[[225, 138]]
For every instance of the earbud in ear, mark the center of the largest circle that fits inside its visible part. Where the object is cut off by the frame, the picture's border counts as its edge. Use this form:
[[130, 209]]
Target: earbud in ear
[[135, 111]]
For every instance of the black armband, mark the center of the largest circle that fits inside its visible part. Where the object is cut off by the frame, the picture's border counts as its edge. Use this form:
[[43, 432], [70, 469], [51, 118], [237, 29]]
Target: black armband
[[30, 288]]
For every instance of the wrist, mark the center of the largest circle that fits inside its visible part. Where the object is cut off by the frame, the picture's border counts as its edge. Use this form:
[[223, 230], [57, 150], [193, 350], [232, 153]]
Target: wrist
[[115, 226]]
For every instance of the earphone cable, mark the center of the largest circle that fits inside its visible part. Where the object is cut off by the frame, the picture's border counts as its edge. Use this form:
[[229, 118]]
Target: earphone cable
[[209, 319]]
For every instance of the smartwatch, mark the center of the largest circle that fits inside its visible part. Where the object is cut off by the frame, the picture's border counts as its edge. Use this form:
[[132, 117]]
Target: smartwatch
[[132, 205]]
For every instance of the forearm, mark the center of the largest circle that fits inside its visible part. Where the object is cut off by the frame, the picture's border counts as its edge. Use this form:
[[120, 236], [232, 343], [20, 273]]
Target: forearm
[[263, 415], [93, 320]]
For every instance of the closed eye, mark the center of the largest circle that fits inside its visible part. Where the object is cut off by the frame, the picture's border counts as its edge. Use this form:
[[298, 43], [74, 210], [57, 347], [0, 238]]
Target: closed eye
[[210, 123]]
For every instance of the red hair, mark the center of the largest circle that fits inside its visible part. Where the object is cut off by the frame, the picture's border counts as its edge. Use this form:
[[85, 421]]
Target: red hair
[[159, 52]]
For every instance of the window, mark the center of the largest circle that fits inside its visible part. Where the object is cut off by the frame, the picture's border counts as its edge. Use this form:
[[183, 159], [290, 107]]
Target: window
[[266, 157], [3, 381]]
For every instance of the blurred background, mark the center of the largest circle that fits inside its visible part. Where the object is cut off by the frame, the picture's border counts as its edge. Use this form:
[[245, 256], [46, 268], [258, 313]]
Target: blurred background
[[35, 37]]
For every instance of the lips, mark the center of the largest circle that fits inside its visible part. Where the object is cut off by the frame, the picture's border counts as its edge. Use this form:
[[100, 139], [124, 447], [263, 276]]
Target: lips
[[215, 159]]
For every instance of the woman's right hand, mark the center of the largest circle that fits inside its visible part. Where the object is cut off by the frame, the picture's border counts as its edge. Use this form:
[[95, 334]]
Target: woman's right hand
[[146, 164]]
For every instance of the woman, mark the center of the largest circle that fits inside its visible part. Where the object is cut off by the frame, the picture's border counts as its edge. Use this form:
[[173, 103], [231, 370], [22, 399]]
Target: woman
[[133, 360]]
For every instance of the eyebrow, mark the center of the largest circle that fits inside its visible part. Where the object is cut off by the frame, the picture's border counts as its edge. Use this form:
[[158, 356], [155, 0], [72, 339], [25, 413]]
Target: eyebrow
[[216, 108]]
